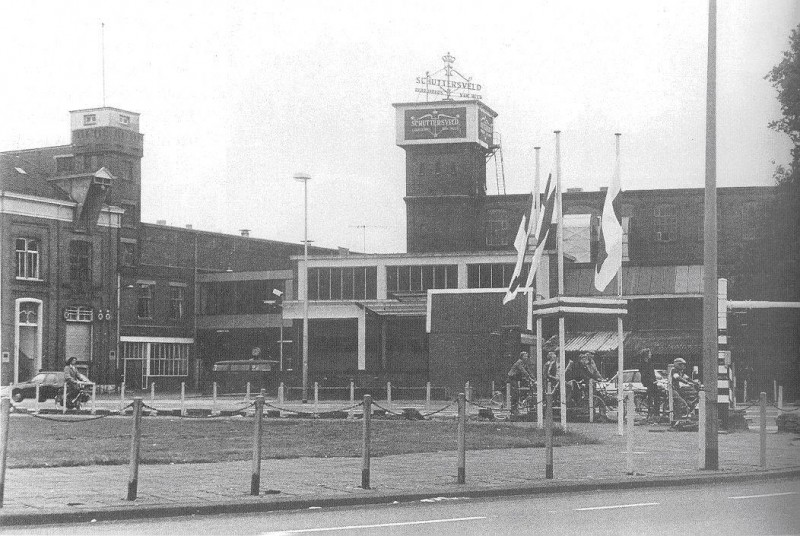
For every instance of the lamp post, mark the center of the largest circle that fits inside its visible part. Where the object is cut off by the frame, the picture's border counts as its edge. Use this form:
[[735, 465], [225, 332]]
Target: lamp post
[[304, 178]]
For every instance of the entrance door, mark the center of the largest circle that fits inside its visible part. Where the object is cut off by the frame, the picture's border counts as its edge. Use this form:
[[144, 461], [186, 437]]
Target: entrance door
[[27, 353]]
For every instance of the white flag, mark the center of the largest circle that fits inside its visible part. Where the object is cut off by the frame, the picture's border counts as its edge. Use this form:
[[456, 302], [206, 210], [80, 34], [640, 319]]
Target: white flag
[[609, 260]]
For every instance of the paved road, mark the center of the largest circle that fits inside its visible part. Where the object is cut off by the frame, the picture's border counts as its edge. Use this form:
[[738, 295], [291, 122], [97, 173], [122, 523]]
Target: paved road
[[727, 509]]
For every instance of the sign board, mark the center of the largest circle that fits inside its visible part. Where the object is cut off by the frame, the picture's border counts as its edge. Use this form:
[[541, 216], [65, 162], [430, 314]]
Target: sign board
[[425, 123]]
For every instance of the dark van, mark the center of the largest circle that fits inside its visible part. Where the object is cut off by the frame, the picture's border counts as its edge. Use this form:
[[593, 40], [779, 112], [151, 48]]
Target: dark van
[[232, 376]]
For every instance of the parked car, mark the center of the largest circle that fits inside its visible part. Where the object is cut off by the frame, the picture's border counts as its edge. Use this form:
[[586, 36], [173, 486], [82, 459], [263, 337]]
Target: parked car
[[50, 384]]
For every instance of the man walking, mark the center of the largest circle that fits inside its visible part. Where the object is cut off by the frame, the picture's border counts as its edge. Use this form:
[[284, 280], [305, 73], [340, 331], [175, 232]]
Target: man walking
[[649, 381]]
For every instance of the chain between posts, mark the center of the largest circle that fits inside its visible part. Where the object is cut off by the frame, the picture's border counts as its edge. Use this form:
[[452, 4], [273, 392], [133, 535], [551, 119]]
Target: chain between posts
[[237, 410], [783, 410], [327, 412], [73, 420]]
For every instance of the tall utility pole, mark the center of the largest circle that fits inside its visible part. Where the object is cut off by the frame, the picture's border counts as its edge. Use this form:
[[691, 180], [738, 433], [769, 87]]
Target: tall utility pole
[[304, 178], [710, 353]]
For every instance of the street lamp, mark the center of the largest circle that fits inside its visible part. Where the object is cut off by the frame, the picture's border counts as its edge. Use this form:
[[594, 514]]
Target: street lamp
[[304, 178]]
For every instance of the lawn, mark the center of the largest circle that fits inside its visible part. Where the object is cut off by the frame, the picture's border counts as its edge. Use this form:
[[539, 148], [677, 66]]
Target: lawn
[[39, 443]]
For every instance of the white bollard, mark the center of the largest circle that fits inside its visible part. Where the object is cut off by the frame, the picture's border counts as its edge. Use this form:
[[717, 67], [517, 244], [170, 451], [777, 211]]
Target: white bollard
[[350, 414], [631, 412], [183, 398], [762, 421], [36, 407], [214, 398], [121, 397], [64, 409], [508, 396], [389, 394], [467, 392], [94, 398], [774, 390], [281, 394], [247, 393], [591, 400], [316, 397], [152, 392], [671, 395], [744, 393], [428, 396], [780, 397]]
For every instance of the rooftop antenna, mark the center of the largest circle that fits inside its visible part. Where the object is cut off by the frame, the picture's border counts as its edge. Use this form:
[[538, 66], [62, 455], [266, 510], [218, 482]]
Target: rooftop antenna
[[363, 228], [103, 57]]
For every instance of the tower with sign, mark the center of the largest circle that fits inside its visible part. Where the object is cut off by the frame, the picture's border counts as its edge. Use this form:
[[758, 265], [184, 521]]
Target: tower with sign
[[446, 144]]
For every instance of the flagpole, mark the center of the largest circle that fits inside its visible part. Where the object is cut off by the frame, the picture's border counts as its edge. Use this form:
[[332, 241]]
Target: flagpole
[[620, 332], [562, 356], [539, 358]]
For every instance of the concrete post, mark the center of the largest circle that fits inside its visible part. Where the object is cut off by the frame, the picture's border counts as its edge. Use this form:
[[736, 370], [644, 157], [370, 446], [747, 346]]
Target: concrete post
[[281, 393], [780, 397], [671, 395], [701, 429], [64, 392], [389, 395], [762, 402], [36, 406], [744, 393], [121, 397], [428, 396], [183, 398], [548, 435], [94, 398], [214, 398], [316, 397], [350, 414], [152, 393], [365, 445], [508, 396], [591, 400], [629, 420], [5, 413], [247, 393], [462, 439], [255, 477], [136, 439]]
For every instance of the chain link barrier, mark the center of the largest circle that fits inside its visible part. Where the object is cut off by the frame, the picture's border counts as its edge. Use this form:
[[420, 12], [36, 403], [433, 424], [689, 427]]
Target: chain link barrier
[[774, 405], [74, 420], [218, 416], [312, 413], [387, 410]]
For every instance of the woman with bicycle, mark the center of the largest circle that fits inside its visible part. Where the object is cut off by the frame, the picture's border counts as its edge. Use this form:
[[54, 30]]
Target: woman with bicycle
[[520, 373]]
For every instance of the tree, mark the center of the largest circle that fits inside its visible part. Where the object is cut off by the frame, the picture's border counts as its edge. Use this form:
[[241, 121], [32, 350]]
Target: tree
[[785, 212]]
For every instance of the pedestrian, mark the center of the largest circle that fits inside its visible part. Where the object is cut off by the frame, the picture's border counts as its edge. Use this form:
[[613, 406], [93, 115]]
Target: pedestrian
[[648, 374]]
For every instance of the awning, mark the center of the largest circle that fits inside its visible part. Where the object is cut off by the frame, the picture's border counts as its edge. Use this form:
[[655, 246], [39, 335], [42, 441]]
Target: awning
[[396, 308], [661, 342]]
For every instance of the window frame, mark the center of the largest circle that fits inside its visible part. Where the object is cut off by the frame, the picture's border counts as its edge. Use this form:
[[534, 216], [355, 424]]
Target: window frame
[[25, 257], [144, 300], [80, 262], [665, 219]]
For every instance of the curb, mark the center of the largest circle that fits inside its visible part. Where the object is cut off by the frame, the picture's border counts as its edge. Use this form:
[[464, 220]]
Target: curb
[[270, 503]]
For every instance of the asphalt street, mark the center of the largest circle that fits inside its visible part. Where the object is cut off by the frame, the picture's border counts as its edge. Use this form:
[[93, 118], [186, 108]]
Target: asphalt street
[[741, 508]]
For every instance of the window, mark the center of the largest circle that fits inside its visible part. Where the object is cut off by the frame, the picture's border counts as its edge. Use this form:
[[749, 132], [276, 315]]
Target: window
[[144, 302], [124, 119], [343, 283], [492, 275], [89, 119], [420, 278], [175, 301], [666, 217], [80, 261], [65, 164], [28, 258], [496, 228], [78, 313], [127, 253]]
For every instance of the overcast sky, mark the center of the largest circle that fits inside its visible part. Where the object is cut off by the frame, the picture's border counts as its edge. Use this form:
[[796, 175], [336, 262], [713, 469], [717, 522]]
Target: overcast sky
[[237, 96]]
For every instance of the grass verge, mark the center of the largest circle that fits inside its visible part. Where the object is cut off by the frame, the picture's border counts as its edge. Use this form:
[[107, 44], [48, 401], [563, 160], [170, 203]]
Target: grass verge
[[38, 443]]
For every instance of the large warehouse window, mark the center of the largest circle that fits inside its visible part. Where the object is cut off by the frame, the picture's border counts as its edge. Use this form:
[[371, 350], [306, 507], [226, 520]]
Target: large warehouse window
[[666, 217], [491, 275], [421, 278], [359, 283], [496, 228]]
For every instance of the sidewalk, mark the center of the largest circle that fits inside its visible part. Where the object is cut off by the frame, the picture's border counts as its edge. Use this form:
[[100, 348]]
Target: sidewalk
[[661, 457]]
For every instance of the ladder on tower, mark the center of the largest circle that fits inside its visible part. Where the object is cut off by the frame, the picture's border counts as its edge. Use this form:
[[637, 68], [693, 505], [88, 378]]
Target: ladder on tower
[[496, 152]]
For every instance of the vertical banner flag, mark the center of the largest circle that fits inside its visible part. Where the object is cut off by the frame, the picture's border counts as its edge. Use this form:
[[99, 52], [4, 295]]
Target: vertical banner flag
[[531, 237], [609, 260], [542, 229]]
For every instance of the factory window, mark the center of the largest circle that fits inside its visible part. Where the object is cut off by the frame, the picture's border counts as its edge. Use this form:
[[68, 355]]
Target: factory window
[[342, 283], [89, 119], [27, 258], [420, 278], [176, 301], [497, 228], [666, 221], [80, 261]]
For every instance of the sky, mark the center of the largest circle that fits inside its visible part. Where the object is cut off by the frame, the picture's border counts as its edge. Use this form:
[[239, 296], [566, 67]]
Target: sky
[[236, 97]]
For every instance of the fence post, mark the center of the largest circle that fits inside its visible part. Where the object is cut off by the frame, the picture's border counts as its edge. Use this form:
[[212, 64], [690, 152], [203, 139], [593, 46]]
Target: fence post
[[152, 393], [350, 414], [389, 395], [671, 395], [94, 398], [247, 393], [316, 398], [701, 428], [508, 396], [183, 398], [121, 397], [64, 408], [428, 396], [5, 410], [36, 407], [548, 435], [631, 409], [365, 446], [462, 432], [214, 398], [744, 394], [281, 394], [591, 400], [762, 402], [780, 397], [774, 390], [467, 391], [255, 478], [136, 437]]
